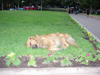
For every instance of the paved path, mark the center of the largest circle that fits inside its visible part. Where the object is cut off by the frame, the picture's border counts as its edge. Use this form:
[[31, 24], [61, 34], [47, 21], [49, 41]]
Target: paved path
[[51, 71], [92, 25]]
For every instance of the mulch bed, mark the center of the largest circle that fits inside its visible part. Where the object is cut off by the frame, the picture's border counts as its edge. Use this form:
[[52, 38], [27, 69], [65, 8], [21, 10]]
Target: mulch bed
[[39, 62]]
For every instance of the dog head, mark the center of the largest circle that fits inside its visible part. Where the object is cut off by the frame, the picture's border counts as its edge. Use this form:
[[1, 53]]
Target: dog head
[[31, 42]]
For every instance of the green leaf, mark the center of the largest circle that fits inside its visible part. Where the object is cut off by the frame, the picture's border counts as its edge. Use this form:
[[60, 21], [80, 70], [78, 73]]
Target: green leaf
[[52, 58], [97, 56], [81, 59], [16, 62], [63, 62], [31, 62], [83, 54], [8, 57], [46, 61], [69, 55], [77, 60], [57, 57], [85, 63], [8, 62], [93, 60], [11, 58], [68, 62]]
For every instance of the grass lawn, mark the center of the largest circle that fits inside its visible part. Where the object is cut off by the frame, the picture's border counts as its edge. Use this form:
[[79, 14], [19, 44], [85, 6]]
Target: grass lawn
[[17, 26], [95, 15]]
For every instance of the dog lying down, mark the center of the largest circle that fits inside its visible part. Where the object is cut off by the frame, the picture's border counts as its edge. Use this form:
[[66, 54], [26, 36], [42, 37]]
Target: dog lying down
[[51, 41]]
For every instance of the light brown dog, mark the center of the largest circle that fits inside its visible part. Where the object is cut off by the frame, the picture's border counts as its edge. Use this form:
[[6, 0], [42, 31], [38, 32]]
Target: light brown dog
[[51, 41]]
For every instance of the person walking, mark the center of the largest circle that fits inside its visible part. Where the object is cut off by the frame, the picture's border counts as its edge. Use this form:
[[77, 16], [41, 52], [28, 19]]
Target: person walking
[[68, 10], [88, 11], [76, 11]]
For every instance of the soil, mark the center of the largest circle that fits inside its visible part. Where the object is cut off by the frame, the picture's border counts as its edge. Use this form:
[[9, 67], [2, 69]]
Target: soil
[[39, 62]]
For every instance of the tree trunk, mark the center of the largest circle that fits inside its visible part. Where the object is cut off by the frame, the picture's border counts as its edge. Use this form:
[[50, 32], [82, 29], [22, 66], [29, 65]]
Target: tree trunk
[[91, 9], [18, 5], [41, 5], [2, 5]]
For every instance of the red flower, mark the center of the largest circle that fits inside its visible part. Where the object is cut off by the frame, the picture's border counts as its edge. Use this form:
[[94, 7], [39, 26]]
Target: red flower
[[88, 55], [28, 55], [49, 54]]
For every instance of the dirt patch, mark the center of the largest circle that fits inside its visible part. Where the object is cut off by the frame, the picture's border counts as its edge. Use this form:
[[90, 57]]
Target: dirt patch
[[39, 62]]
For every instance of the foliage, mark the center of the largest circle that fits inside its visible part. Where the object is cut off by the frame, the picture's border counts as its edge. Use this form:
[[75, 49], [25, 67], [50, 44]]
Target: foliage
[[89, 4], [12, 59], [90, 36], [32, 61], [52, 58], [49, 59], [66, 61], [84, 58], [97, 45]]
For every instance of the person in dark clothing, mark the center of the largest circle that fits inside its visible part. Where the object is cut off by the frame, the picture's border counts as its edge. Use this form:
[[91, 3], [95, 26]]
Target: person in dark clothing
[[88, 12], [76, 11], [68, 10]]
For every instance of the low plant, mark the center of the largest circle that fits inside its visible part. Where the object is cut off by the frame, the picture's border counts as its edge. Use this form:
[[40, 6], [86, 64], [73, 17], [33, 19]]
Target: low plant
[[11, 58], [97, 45], [52, 58], [83, 30], [84, 58], [66, 61], [90, 36], [49, 59], [32, 61]]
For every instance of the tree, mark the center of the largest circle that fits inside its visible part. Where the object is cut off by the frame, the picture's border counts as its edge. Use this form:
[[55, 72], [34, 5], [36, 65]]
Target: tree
[[18, 2], [5, 4], [89, 4], [2, 5]]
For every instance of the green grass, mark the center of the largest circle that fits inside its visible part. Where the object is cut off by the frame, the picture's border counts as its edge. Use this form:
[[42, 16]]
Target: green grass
[[95, 15], [17, 26]]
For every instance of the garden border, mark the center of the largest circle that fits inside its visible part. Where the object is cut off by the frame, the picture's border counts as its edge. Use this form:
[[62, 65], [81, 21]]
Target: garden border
[[85, 28]]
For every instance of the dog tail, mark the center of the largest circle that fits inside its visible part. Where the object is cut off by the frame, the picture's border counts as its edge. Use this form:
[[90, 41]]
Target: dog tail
[[71, 41]]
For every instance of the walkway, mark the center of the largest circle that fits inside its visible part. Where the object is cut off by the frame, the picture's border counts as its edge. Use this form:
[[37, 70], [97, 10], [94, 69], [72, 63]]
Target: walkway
[[51, 71], [91, 24]]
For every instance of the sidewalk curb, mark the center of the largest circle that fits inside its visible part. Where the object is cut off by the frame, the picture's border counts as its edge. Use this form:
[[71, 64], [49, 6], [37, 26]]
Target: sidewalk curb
[[51, 71]]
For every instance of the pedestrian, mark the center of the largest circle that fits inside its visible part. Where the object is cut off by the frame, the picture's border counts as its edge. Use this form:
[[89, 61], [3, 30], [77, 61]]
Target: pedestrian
[[33, 6], [15, 8], [24, 7], [88, 11], [68, 10], [72, 11], [76, 11]]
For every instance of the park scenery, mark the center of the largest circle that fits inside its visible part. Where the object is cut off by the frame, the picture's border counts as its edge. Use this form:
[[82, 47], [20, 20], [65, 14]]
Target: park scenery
[[17, 26]]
